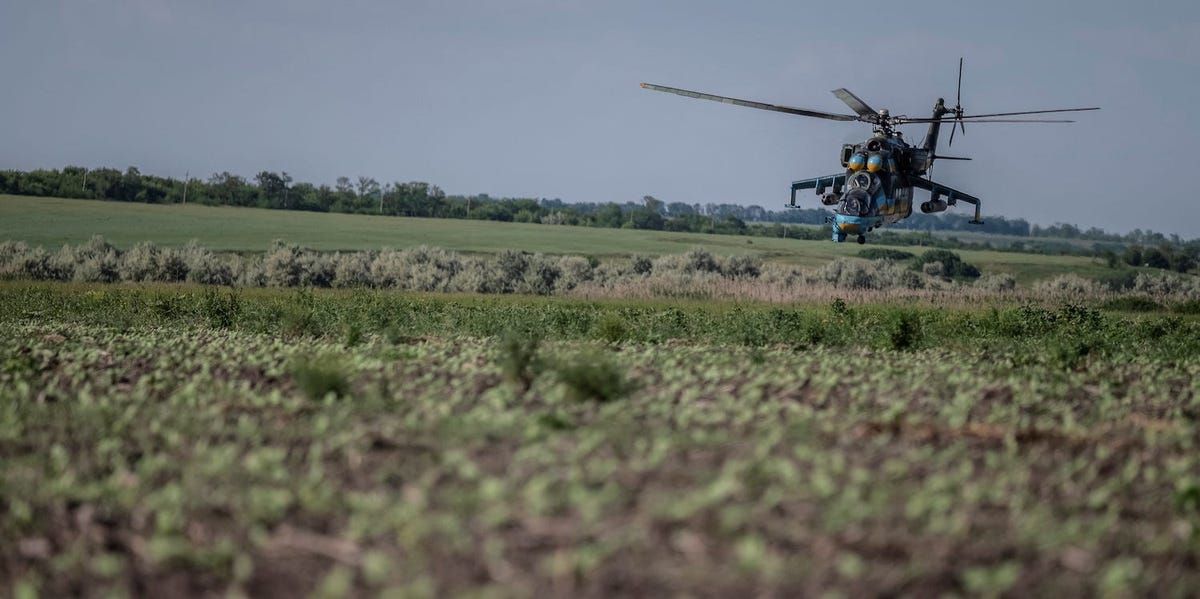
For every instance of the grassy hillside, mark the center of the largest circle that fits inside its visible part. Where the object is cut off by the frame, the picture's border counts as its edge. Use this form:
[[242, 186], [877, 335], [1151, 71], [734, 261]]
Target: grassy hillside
[[52, 222]]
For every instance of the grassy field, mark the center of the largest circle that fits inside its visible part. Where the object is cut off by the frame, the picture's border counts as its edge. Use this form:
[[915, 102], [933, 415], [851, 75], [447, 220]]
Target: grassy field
[[171, 440], [52, 222]]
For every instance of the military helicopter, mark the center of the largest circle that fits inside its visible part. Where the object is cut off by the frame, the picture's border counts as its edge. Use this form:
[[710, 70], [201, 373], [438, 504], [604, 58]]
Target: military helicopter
[[876, 188]]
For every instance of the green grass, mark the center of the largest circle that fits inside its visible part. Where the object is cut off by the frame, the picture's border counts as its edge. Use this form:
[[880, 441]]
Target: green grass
[[165, 441], [52, 222]]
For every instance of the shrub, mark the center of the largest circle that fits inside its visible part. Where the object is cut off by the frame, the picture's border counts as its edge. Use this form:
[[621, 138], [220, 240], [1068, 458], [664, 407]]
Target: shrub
[[510, 267], [610, 328], [1119, 280], [1166, 284], [172, 265], [36, 264], [999, 282], [593, 377], [952, 265], [352, 269], [319, 378], [905, 331], [282, 265], [696, 260], [1069, 285], [642, 265], [140, 263], [221, 310], [884, 254], [316, 270], [934, 269], [857, 274], [742, 267], [540, 277], [205, 267], [1188, 307], [1133, 303], [519, 358], [573, 270]]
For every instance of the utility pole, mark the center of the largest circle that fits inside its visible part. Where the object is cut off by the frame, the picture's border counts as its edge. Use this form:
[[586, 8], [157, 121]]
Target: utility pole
[[84, 188], [187, 178], [381, 199]]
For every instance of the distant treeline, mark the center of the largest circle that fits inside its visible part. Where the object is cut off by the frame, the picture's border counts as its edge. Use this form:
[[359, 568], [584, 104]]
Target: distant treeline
[[365, 195]]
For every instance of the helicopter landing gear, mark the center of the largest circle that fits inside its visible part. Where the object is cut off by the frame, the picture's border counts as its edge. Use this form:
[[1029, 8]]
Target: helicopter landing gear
[[862, 239]]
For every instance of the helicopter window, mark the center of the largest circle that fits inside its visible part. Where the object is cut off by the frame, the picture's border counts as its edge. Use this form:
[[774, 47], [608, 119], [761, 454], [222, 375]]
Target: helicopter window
[[856, 202], [861, 180]]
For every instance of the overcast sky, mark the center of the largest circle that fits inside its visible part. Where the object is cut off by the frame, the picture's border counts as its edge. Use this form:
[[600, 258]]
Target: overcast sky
[[540, 98]]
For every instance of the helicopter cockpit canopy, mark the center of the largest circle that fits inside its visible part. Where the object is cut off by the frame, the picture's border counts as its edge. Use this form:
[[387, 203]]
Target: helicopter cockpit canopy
[[856, 202]]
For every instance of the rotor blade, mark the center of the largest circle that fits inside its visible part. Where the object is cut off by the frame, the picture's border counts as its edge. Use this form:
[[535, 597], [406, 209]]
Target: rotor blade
[[952, 130], [962, 126], [855, 103], [958, 97], [751, 104], [971, 117], [939, 157], [984, 116], [917, 121]]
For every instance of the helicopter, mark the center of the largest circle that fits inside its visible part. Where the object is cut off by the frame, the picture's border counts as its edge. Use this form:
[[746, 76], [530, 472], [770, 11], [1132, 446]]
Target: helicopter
[[876, 188]]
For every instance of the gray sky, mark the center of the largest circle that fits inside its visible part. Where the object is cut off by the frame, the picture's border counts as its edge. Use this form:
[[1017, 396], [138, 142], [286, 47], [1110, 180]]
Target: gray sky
[[540, 98]]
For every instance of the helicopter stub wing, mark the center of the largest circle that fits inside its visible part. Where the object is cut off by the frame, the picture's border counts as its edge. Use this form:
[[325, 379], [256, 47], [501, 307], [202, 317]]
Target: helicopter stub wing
[[952, 195], [819, 184]]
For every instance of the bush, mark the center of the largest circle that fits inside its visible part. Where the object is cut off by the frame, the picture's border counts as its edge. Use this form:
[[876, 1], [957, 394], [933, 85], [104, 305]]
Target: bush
[[697, 260], [905, 331], [352, 269], [140, 263], [205, 267], [540, 277], [884, 254], [593, 377], [573, 270], [1134, 303], [172, 265], [952, 265], [1000, 282], [221, 310], [856, 274], [610, 328], [282, 265], [1070, 285], [319, 378], [742, 267], [519, 358], [642, 265]]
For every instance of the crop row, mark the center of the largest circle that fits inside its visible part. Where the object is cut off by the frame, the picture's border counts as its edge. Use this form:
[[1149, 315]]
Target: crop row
[[165, 456]]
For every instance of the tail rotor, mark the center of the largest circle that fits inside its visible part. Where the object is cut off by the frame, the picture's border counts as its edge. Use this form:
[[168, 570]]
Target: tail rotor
[[958, 109]]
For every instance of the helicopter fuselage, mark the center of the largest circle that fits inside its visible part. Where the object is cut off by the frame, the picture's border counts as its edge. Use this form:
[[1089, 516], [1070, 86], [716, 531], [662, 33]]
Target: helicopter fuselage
[[876, 188], [881, 172]]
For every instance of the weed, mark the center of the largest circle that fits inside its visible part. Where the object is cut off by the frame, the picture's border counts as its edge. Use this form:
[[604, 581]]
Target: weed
[[1187, 307], [884, 254], [905, 331], [593, 377], [1132, 303], [320, 377], [610, 328], [353, 333], [519, 358], [221, 310]]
